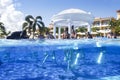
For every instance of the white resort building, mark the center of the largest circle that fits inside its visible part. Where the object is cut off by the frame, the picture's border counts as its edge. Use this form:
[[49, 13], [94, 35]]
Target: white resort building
[[103, 25]]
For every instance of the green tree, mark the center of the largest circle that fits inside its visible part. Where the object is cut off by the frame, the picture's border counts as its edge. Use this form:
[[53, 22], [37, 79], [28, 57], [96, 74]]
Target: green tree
[[115, 26], [26, 26], [62, 30], [81, 29], [94, 29], [3, 32], [46, 29], [33, 23]]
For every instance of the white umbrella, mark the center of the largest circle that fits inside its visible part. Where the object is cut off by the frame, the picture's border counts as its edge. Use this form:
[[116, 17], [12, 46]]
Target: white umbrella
[[104, 31], [93, 33], [81, 33]]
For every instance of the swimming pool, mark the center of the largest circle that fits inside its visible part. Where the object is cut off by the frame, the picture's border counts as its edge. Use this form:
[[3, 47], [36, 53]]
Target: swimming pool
[[83, 59]]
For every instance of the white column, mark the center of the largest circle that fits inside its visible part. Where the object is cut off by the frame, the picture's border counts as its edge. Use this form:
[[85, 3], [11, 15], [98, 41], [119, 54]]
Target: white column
[[104, 33], [69, 28], [89, 28], [54, 31], [100, 24], [59, 33]]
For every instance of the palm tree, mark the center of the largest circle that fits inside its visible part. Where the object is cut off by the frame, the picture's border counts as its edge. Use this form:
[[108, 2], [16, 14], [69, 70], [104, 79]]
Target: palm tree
[[25, 25], [34, 23], [117, 29], [3, 32], [2, 28], [40, 24], [115, 26]]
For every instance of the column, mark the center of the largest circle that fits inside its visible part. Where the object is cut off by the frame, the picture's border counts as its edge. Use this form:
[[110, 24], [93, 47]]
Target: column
[[89, 28], [59, 32], [69, 28], [100, 25], [54, 31]]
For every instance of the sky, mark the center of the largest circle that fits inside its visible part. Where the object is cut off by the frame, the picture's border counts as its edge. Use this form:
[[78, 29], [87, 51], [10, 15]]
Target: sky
[[13, 12]]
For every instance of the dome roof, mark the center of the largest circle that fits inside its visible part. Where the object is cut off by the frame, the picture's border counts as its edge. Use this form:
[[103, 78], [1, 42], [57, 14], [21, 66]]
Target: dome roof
[[73, 11], [73, 16]]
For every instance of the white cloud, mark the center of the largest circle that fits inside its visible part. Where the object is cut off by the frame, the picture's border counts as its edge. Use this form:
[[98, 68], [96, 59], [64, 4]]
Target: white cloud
[[11, 18]]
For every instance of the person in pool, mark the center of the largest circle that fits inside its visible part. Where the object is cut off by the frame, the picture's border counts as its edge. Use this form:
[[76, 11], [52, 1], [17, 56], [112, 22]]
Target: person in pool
[[49, 35], [66, 35], [89, 36], [73, 33]]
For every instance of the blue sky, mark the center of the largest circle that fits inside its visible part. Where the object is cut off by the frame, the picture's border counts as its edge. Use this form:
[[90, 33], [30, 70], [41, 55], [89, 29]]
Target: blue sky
[[47, 8]]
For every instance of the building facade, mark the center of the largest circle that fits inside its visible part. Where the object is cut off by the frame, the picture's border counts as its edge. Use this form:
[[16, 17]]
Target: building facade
[[102, 23], [118, 14]]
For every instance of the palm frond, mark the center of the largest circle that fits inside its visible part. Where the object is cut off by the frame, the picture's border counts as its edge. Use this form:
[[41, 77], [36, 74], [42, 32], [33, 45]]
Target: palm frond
[[29, 18], [25, 25], [39, 18], [41, 23]]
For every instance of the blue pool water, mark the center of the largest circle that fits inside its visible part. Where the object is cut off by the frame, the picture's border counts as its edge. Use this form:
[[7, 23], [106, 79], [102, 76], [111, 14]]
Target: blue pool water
[[83, 59]]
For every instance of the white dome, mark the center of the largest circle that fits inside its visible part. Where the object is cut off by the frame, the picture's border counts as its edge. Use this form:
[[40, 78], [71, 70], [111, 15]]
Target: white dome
[[72, 16], [73, 11]]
